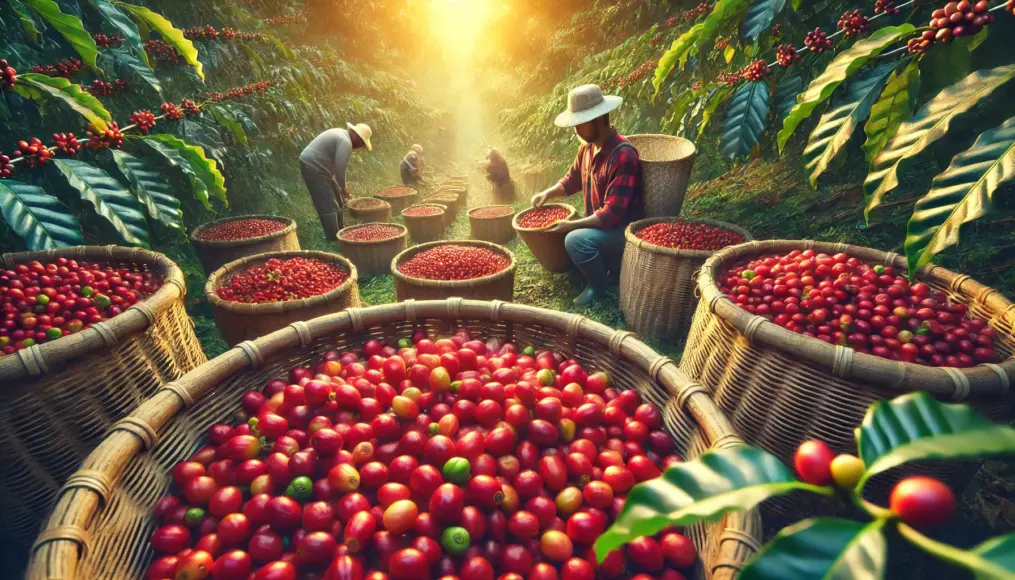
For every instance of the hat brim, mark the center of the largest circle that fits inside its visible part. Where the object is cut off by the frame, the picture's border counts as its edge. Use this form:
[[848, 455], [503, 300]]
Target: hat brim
[[571, 119], [366, 141]]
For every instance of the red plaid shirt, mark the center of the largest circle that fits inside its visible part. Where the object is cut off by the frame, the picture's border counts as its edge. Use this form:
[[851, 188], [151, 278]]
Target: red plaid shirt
[[612, 184]]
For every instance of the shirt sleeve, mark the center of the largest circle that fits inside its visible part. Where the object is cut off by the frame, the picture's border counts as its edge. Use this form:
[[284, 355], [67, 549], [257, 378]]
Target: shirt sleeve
[[572, 182], [620, 188], [343, 151]]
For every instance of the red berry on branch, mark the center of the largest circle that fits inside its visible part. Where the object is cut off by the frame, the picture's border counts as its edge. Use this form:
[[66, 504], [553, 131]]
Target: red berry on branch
[[101, 88], [853, 23], [67, 143], [111, 137], [6, 168], [33, 151], [190, 108], [145, 120], [755, 71], [817, 41], [786, 55], [106, 41], [8, 76], [887, 7], [721, 43], [171, 111]]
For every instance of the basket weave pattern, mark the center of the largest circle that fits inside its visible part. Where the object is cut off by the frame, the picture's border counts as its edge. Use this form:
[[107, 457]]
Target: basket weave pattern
[[780, 388], [372, 258], [425, 228], [365, 212], [59, 398], [100, 529], [399, 202], [241, 321], [666, 163], [499, 286], [493, 229], [547, 247], [658, 284], [214, 254]]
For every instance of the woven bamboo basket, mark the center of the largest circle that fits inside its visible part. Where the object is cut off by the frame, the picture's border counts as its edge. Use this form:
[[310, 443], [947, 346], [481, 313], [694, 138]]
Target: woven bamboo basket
[[492, 229], [547, 247], [241, 321], [214, 254], [461, 190], [372, 258], [666, 163], [499, 286], [59, 398], [449, 200], [369, 209], [425, 228], [101, 524], [398, 201], [780, 388], [658, 286]]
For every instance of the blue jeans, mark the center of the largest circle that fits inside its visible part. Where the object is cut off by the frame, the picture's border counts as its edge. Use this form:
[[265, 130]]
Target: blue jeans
[[593, 249]]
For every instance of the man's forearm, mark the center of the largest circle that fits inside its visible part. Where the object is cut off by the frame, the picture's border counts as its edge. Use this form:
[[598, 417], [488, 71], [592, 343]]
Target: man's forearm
[[556, 191], [592, 221]]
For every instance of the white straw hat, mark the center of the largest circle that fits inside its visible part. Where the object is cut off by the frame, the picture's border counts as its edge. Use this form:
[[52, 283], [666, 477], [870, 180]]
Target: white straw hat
[[365, 133], [585, 103], [417, 148]]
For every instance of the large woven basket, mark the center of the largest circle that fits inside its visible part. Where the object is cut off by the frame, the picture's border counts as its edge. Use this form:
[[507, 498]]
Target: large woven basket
[[214, 254], [499, 286], [241, 321], [492, 229], [425, 228], [448, 199], [780, 388], [658, 285], [547, 247], [369, 209], [398, 201], [372, 258], [101, 526], [666, 163], [58, 399]]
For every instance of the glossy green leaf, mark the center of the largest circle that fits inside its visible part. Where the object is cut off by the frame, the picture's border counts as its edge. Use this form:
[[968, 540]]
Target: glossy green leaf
[[785, 94], [715, 99], [820, 549], [125, 26], [962, 193], [725, 13], [38, 218], [746, 119], [70, 27], [842, 67], [759, 17], [718, 482], [929, 124], [176, 159], [170, 34], [39, 86], [151, 188], [915, 427], [206, 169], [676, 54], [140, 69], [796, 4], [224, 118], [894, 106], [111, 201], [27, 23], [836, 126], [944, 66], [998, 552]]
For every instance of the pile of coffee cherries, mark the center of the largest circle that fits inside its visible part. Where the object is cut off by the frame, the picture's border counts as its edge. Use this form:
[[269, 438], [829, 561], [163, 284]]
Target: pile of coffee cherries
[[43, 302], [874, 309], [279, 280], [543, 217], [371, 233], [452, 459], [394, 191], [240, 229], [422, 211], [685, 235], [454, 262], [491, 211]]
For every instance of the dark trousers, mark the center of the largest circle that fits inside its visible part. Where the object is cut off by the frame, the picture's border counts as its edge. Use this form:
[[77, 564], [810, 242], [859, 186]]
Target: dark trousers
[[327, 201]]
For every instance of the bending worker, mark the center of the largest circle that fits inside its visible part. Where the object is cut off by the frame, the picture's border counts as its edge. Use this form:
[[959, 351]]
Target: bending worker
[[324, 163]]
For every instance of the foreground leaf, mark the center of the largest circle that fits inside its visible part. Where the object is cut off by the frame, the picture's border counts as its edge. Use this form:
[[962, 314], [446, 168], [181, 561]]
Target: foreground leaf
[[842, 67], [169, 33], [746, 119], [140, 69], [224, 118], [175, 159], [151, 188], [124, 25], [759, 17], [704, 489], [999, 552], [38, 218], [822, 548], [27, 24], [121, 209], [36, 86], [915, 427], [785, 94], [676, 53], [894, 106], [991, 560], [929, 124], [70, 27], [836, 126], [205, 169]]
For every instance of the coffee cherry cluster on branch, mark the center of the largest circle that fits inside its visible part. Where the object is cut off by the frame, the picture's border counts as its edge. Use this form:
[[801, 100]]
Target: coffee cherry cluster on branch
[[33, 151], [886, 7], [284, 19], [101, 88], [786, 55], [67, 143], [817, 41], [454, 262], [107, 41], [280, 280], [8, 75], [172, 111], [64, 68], [853, 23], [655, 40], [755, 71], [730, 79], [721, 43], [955, 20], [201, 32], [190, 108], [111, 137], [145, 120], [162, 51], [6, 168]]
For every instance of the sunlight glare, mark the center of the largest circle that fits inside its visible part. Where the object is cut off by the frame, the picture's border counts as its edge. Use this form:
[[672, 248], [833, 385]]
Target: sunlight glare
[[459, 23]]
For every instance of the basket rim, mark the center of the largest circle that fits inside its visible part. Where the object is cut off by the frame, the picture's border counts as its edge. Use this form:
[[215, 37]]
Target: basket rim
[[409, 193], [452, 284], [510, 214], [43, 359], [339, 237], [286, 305], [290, 226], [985, 379], [634, 227], [106, 463], [663, 137], [443, 209], [519, 214]]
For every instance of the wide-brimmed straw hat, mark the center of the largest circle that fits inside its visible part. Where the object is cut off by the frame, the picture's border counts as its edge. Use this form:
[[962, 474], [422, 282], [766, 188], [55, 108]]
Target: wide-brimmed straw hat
[[365, 133], [585, 103]]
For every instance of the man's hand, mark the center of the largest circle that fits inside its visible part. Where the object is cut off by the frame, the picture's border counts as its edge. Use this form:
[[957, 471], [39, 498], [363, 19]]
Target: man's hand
[[540, 198], [562, 227], [345, 193]]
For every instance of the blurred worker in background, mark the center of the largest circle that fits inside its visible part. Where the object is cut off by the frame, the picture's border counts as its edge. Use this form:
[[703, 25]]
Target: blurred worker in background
[[497, 173], [412, 166], [324, 163]]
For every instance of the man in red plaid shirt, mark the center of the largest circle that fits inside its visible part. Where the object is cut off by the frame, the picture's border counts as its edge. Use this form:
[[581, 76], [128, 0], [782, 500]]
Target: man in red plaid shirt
[[608, 173]]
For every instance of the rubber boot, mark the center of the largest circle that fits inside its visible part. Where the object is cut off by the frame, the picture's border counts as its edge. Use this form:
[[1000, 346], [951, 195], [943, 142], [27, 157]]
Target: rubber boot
[[331, 224], [594, 271]]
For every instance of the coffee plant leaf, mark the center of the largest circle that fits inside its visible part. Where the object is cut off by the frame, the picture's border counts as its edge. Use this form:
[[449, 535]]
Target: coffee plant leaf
[[715, 98], [822, 548], [930, 123], [716, 483], [38, 86], [759, 17], [894, 106], [995, 558], [226, 119], [960, 194], [796, 4], [746, 119], [28, 24], [151, 188], [943, 67], [138, 68], [110, 200], [785, 94], [69, 27], [119, 20], [205, 169], [175, 159], [916, 427], [843, 66], [676, 53], [836, 126], [39, 219], [184, 47]]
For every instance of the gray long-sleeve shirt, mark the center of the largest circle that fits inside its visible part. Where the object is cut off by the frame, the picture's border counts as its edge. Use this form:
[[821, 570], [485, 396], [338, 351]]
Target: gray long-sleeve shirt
[[330, 150]]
